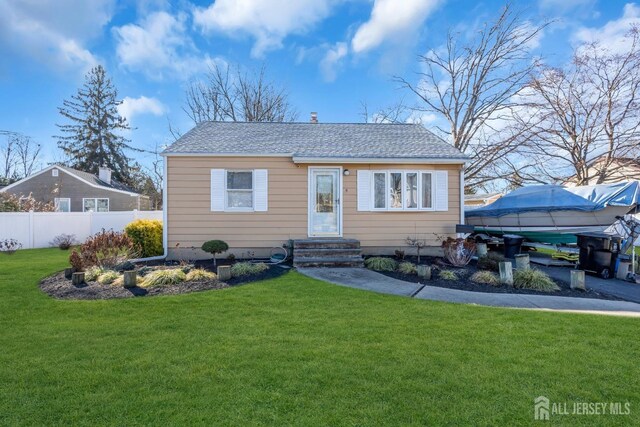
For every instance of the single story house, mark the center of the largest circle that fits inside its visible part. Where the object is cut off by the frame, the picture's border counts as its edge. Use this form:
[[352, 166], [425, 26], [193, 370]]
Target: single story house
[[73, 190], [354, 186], [480, 199]]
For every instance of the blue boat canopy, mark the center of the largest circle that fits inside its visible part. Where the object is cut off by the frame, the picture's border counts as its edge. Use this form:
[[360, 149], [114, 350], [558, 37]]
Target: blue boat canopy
[[548, 198]]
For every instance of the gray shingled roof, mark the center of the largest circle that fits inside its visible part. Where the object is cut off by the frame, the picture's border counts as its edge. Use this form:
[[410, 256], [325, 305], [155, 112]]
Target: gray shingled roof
[[95, 180], [317, 140]]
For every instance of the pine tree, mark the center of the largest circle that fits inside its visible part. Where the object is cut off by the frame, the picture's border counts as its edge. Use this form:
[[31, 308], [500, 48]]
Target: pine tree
[[92, 138]]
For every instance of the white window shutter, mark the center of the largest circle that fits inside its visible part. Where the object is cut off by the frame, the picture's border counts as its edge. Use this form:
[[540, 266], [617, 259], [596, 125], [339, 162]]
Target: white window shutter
[[217, 190], [364, 190], [442, 191], [260, 190]]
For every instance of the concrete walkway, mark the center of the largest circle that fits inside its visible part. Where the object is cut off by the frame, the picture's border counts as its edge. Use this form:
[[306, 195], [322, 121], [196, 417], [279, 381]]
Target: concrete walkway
[[361, 278]]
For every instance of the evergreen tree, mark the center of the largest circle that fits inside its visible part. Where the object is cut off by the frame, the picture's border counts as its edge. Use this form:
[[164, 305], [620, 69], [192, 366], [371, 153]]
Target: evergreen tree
[[91, 138]]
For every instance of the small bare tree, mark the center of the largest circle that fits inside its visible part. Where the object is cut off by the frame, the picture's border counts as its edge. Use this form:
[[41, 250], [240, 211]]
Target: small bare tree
[[473, 86], [19, 156], [233, 95], [586, 114]]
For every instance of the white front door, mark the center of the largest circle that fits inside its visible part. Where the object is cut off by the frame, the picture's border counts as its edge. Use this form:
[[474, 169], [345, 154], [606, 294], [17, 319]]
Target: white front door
[[325, 205]]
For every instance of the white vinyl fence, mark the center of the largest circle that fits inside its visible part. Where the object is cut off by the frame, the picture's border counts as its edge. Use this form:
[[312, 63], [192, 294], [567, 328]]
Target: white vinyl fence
[[37, 229]]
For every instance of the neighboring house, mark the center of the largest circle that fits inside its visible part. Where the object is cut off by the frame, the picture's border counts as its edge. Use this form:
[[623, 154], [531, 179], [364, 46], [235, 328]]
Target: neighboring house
[[258, 185], [479, 200], [622, 169], [76, 191]]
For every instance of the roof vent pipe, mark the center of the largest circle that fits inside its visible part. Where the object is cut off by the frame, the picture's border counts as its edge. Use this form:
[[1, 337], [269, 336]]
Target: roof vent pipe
[[314, 117]]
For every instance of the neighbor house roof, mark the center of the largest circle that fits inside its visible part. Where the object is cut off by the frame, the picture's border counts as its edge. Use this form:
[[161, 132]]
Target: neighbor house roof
[[308, 141], [86, 177]]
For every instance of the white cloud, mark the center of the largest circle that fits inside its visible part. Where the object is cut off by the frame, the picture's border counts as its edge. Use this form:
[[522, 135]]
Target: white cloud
[[332, 60], [391, 19], [268, 21], [612, 34], [158, 45], [54, 32], [142, 105]]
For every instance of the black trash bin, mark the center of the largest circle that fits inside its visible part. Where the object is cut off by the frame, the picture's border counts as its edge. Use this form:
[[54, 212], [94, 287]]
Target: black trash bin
[[512, 245], [599, 253]]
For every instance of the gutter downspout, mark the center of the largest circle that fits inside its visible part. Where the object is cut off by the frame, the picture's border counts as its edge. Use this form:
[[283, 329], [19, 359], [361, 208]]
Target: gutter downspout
[[165, 242], [462, 194]]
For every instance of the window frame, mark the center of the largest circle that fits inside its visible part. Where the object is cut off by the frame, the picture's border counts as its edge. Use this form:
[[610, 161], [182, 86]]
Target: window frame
[[387, 191], [57, 201], [228, 208], [54, 172], [96, 204]]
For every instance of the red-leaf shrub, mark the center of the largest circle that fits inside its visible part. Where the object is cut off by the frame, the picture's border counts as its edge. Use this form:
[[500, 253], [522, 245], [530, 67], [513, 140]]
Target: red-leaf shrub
[[105, 249], [458, 251]]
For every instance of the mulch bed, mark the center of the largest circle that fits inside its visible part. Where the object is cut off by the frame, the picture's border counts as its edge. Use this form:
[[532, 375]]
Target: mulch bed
[[60, 287], [464, 284]]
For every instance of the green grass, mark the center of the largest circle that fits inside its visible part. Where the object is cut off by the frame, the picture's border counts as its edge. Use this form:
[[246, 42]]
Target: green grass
[[294, 351]]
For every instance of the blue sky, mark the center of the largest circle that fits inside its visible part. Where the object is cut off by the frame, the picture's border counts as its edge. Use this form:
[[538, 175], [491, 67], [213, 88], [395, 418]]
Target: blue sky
[[331, 54]]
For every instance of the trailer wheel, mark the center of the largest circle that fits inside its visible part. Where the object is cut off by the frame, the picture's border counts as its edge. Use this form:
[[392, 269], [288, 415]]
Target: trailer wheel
[[605, 273]]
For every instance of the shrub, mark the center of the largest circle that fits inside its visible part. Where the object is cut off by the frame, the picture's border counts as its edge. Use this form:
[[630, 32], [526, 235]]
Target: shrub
[[92, 273], [407, 268], [18, 203], [172, 276], [105, 249], [448, 275], [108, 277], [458, 251], [64, 241], [490, 262], [486, 277], [215, 247], [10, 246], [533, 279], [248, 269], [381, 264], [147, 236], [399, 254], [200, 274]]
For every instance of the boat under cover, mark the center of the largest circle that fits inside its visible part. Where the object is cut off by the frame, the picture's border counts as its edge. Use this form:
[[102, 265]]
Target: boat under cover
[[553, 213]]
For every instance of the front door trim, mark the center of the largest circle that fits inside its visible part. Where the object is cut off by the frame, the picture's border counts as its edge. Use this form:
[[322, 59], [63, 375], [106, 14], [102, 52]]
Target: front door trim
[[311, 200]]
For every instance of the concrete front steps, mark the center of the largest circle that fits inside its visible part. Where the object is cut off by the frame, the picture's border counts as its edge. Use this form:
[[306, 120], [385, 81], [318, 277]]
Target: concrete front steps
[[327, 252]]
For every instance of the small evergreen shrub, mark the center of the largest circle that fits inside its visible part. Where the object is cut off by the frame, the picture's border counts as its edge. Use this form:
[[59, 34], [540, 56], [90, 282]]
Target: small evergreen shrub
[[533, 279], [108, 277], [407, 268], [215, 247], [490, 262], [379, 263], [448, 275], [247, 269], [172, 276], [200, 274], [147, 236], [486, 277]]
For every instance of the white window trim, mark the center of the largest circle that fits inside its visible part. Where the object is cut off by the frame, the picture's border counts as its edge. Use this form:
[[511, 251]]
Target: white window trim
[[96, 203], [404, 173], [228, 208], [54, 172], [57, 201]]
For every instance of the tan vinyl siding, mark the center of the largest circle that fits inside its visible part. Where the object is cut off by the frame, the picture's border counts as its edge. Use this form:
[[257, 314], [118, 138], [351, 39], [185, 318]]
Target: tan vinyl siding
[[191, 222]]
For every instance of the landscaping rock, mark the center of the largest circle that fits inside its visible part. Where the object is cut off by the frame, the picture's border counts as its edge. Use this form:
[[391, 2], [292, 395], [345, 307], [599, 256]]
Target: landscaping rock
[[577, 280], [77, 278], [130, 279], [424, 271], [224, 272], [481, 249], [506, 273], [522, 261]]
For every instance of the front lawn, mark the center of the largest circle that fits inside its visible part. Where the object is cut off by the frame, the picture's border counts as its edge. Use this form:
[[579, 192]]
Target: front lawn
[[297, 351]]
